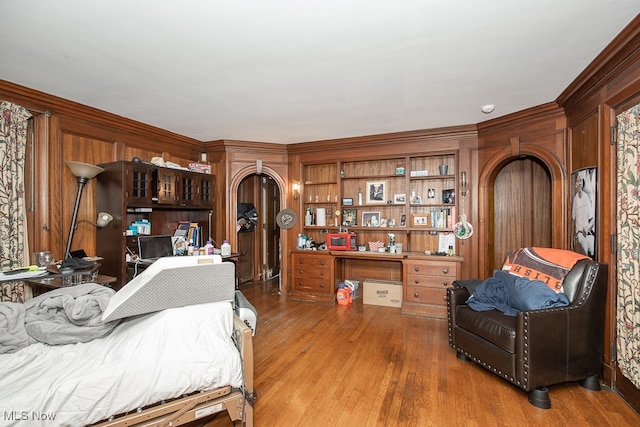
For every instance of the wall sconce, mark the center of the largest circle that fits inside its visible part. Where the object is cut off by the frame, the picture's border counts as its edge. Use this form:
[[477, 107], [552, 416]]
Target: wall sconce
[[104, 218], [463, 183], [83, 173], [296, 190]]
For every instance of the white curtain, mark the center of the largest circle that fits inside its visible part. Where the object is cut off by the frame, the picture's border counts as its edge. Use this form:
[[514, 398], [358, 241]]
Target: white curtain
[[628, 230], [14, 250]]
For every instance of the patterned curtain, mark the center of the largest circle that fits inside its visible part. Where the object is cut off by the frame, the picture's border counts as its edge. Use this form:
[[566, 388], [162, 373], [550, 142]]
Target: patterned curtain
[[628, 229], [14, 250]]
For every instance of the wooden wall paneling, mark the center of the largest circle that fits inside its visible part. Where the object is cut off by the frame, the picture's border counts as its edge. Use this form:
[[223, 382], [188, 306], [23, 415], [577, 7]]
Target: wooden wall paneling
[[36, 191], [609, 84], [242, 159], [536, 133], [87, 150]]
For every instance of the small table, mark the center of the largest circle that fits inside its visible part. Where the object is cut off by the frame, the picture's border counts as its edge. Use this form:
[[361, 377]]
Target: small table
[[41, 284]]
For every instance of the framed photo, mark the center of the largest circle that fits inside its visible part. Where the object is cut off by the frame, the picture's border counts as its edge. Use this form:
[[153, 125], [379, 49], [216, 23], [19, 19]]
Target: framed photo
[[419, 220], [370, 219], [449, 196], [400, 170], [416, 200], [376, 192], [347, 201], [383, 222], [399, 199], [584, 200], [349, 217]]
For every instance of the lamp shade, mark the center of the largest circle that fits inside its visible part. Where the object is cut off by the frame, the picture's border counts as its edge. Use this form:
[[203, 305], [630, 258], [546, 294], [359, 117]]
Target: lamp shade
[[83, 170], [104, 218]]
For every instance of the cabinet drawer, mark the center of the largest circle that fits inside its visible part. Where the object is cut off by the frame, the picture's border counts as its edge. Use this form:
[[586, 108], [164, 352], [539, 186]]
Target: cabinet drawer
[[448, 269], [312, 261], [426, 295], [442, 282], [311, 271], [314, 284]]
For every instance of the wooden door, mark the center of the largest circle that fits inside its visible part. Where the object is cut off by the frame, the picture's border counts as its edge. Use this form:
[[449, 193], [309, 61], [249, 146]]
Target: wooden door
[[521, 208], [272, 231]]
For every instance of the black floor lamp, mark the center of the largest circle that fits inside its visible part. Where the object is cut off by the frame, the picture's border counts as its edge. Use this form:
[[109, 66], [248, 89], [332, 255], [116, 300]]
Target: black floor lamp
[[83, 173]]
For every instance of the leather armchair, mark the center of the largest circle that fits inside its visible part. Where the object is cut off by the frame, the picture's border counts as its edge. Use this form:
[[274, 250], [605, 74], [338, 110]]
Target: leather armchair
[[541, 347]]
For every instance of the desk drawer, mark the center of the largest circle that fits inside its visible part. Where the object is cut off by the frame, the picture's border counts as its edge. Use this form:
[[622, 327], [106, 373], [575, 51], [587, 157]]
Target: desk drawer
[[311, 261], [447, 269], [426, 295], [314, 284], [312, 271], [429, 281]]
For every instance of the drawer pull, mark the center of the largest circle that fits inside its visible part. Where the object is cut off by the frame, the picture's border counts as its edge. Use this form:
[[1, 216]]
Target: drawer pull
[[322, 273], [300, 271], [416, 281], [416, 269], [445, 284], [417, 295], [322, 285], [445, 270], [322, 262]]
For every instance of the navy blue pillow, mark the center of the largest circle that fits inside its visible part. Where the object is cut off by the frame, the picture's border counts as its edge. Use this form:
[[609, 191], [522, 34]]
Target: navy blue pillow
[[527, 294]]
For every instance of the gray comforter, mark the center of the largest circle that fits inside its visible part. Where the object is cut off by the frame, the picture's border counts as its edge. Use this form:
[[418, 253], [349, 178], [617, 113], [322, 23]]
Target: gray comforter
[[63, 316]]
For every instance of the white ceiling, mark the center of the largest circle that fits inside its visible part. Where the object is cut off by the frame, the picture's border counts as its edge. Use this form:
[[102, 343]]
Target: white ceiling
[[289, 71]]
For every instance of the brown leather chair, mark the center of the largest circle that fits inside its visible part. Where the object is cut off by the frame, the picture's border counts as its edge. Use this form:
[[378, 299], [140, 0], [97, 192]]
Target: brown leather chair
[[541, 347]]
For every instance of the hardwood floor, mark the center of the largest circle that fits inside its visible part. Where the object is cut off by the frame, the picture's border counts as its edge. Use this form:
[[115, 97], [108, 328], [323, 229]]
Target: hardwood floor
[[363, 365]]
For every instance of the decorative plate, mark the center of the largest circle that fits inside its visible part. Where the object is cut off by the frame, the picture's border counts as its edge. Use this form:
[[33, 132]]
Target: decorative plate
[[286, 218], [462, 230]]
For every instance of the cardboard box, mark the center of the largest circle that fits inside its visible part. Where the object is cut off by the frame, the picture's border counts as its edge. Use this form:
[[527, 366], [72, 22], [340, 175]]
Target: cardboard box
[[382, 292]]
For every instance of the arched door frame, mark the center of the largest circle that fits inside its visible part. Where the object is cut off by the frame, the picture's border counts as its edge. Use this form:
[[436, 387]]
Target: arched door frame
[[485, 199], [233, 209]]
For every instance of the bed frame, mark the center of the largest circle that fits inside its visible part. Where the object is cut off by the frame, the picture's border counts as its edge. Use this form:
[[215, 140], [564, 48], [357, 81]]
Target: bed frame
[[200, 405]]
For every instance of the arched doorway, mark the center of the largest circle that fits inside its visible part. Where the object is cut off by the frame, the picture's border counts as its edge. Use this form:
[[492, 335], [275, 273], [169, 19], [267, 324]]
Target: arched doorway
[[258, 235], [521, 208], [276, 243]]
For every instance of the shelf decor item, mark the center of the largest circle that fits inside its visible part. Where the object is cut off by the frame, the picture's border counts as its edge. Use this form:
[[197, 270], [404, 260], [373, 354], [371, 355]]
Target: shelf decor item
[[376, 192], [419, 220], [347, 201], [400, 199], [370, 219], [349, 217]]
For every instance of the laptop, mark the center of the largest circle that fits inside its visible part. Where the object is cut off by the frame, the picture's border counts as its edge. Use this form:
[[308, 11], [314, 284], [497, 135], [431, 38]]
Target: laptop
[[150, 248]]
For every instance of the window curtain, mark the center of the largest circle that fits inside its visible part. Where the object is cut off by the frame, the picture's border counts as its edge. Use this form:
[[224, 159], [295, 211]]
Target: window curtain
[[628, 230], [14, 250]]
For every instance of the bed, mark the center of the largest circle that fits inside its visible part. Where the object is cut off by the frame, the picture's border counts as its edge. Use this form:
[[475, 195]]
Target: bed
[[170, 357]]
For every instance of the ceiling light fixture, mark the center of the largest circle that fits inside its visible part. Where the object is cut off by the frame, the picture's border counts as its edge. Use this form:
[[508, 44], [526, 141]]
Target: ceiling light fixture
[[488, 108]]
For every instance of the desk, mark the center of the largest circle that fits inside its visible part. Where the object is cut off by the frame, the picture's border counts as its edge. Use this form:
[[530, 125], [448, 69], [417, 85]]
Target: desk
[[425, 278]]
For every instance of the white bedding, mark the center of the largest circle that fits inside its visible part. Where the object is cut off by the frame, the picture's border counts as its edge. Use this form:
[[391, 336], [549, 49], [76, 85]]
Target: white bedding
[[144, 360]]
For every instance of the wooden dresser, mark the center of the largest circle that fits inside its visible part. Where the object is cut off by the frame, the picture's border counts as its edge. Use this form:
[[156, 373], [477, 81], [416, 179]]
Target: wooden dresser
[[425, 284], [315, 276]]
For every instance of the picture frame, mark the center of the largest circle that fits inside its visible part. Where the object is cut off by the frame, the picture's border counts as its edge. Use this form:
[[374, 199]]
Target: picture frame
[[350, 217], [400, 199], [347, 201], [416, 200], [376, 192], [370, 219], [449, 196], [584, 203], [400, 170], [419, 220], [403, 220]]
